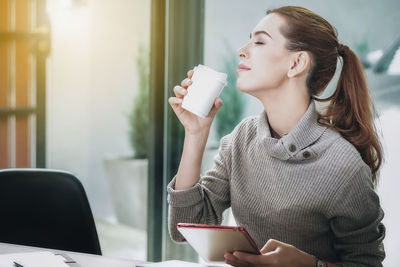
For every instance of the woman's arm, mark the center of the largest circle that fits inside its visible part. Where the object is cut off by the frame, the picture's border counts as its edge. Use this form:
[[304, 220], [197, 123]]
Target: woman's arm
[[355, 217], [205, 201], [189, 168], [190, 200], [196, 134]]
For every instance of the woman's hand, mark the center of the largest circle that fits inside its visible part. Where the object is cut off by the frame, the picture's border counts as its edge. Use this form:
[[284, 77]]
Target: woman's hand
[[193, 124], [274, 253]]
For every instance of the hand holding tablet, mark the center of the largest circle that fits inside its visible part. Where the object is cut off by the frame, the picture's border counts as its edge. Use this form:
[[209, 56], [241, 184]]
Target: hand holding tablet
[[211, 242]]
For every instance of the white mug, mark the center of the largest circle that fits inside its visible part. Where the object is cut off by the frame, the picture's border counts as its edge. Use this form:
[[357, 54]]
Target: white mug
[[207, 85]]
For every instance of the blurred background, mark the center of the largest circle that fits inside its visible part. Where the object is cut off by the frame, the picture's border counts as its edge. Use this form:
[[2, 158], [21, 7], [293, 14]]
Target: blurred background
[[84, 87]]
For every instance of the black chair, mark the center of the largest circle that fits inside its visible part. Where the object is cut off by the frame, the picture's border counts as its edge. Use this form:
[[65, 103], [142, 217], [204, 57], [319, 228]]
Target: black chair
[[46, 208]]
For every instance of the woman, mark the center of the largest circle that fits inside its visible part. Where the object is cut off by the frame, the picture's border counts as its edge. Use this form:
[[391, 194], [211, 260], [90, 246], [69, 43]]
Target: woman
[[300, 182]]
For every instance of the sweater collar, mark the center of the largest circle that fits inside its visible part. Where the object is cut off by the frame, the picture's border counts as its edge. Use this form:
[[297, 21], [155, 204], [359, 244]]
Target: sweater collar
[[296, 145]]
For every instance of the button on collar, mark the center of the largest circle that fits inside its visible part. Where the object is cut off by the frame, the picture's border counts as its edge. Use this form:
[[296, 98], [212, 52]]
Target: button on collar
[[292, 148], [304, 134]]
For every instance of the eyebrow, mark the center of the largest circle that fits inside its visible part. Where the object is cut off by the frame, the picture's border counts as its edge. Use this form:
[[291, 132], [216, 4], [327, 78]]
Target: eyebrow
[[257, 32]]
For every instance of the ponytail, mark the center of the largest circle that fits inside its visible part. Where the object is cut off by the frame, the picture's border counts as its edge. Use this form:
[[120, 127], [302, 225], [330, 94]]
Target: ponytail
[[351, 111]]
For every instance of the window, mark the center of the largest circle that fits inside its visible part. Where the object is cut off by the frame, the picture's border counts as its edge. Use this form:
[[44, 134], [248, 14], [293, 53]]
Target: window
[[24, 44]]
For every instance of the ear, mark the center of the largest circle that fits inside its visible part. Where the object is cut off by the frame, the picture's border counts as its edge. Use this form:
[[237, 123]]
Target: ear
[[299, 64]]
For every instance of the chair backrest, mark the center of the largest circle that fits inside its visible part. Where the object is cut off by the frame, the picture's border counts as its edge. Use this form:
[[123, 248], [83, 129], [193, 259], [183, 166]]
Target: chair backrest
[[46, 208]]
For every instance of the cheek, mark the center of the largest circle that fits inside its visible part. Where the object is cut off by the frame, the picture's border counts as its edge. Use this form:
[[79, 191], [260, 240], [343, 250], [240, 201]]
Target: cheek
[[268, 70], [271, 64]]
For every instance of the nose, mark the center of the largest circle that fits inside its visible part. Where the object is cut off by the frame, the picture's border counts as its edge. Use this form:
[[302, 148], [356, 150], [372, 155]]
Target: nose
[[241, 53]]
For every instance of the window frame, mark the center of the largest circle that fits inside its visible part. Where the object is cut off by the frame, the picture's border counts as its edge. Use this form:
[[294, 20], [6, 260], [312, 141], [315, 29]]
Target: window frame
[[177, 43]]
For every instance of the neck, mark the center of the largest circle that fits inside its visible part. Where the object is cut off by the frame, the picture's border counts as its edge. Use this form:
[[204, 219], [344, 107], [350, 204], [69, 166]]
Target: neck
[[284, 106]]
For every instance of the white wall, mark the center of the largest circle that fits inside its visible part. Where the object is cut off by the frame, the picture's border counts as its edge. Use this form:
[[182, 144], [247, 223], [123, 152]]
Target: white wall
[[92, 83]]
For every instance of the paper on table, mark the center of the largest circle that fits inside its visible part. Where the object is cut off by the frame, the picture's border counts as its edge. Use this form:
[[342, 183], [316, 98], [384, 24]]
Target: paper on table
[[32, 259]]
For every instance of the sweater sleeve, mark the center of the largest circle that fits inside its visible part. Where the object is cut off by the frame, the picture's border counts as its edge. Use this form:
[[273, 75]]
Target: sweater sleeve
[[204, 202], [355, 220]]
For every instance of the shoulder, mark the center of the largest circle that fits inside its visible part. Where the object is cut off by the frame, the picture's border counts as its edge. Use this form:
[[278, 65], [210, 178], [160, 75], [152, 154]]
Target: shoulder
[[344, 159], [245, 130]]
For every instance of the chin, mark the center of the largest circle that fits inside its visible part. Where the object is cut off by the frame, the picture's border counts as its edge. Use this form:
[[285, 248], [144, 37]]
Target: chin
[[241, 86], [245, 87]]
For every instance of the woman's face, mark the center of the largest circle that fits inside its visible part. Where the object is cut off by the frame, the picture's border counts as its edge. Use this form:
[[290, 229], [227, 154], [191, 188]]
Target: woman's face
[[265, 56]]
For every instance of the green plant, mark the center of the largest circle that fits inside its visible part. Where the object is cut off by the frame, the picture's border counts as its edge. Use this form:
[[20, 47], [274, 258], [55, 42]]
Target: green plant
[[362, 46], [231, 112], [139, 116]]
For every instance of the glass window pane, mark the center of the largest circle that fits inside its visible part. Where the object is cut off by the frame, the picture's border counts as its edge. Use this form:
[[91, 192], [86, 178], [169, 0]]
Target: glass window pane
[[185, 19], [97, 99]]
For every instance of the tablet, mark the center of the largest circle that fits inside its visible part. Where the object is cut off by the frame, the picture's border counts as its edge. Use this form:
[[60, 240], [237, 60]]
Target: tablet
[[211, 242]]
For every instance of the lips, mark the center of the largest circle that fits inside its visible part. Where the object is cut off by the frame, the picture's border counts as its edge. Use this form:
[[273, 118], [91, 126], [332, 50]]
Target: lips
[[242, 67]]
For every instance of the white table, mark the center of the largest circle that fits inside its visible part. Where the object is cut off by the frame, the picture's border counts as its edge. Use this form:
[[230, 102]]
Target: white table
[[82, 259]]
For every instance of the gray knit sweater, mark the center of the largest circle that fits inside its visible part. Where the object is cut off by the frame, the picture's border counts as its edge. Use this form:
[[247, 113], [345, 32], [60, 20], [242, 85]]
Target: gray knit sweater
[[310, 189]]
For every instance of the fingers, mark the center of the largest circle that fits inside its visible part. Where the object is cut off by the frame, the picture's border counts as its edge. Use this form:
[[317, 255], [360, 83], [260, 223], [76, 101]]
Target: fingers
[[271, 245], [217, 105], [218, 102], [247, 257], [253, 259], [234, 261], [274, 253], [190, 74], [173, 101], [186, 83], [180, 91]]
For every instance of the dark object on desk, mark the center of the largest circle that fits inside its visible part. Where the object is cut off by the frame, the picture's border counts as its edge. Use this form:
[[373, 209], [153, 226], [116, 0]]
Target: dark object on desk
[[46, 208]]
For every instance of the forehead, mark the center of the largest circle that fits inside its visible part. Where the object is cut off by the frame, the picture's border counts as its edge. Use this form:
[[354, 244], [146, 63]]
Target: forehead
[[271, 23]]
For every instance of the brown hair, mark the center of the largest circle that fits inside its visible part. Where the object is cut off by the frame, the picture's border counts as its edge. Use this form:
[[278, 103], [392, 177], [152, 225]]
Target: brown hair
[[350, 111]]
